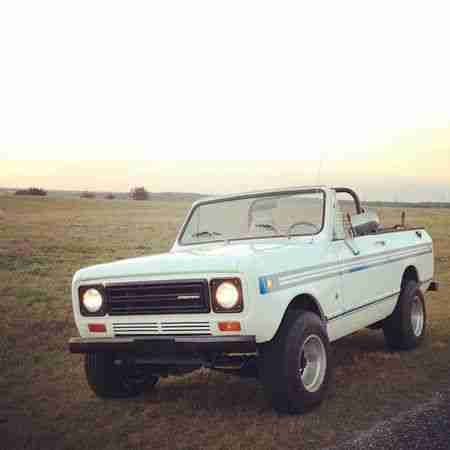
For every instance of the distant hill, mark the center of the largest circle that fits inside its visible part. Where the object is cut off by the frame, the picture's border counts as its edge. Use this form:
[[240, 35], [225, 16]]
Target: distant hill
[[176, 196], [381, 204], [161, 196], [192, 196]]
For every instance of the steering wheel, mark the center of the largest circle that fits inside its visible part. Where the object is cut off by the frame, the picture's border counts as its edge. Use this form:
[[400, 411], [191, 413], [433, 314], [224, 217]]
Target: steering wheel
[[307, 224], [267, 226]]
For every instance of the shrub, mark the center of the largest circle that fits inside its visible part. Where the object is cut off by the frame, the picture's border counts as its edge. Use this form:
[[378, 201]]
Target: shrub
[[139, 193], [87, 194], [32, 191], [110, 196]]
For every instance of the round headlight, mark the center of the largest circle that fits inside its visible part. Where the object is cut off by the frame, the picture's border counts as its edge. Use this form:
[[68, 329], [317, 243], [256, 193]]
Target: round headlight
[[227, 295], [92, 300]]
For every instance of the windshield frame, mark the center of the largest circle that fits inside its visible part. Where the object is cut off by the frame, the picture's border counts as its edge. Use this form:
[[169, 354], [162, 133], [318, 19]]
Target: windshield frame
[[255, 196]]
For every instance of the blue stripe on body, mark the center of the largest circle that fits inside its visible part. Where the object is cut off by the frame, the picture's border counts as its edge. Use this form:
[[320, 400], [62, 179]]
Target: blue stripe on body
[[358, 269], [263, 287]]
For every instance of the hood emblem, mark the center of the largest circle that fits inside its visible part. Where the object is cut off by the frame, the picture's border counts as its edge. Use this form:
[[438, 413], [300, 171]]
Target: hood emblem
[[188, 297]]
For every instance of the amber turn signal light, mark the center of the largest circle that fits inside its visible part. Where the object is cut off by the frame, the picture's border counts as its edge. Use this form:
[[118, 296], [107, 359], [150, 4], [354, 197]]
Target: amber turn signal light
[[229, 326], [97, 328]]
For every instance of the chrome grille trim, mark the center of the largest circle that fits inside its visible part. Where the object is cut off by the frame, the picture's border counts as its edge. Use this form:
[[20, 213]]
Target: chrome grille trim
[[161, 328], [133, 329]]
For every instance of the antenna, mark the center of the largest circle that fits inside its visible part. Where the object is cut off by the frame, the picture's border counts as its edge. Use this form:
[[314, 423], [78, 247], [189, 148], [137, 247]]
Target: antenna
[[319, 172]]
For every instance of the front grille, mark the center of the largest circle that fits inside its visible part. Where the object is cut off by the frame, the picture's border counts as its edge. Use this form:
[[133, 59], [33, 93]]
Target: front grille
[[170, 297], [135, 329], [185, 328], [161, 328]]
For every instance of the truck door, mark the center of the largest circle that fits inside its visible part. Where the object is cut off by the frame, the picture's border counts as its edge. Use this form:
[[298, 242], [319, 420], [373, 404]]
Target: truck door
[[361, 281], [358, 285]]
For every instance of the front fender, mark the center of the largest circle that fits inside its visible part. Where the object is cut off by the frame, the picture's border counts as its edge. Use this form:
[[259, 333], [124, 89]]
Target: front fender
[[270, 308]]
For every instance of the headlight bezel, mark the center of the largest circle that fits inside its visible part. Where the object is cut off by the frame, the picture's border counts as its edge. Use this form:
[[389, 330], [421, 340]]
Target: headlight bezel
[[85, 312], [217, 307]]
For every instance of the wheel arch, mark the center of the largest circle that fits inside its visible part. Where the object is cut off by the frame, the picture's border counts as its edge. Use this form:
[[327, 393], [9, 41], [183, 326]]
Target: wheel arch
[[410, 274], [305, 302], [301, 302]]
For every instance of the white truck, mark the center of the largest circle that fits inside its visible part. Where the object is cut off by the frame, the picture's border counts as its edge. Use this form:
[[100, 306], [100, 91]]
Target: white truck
[[256, 284]]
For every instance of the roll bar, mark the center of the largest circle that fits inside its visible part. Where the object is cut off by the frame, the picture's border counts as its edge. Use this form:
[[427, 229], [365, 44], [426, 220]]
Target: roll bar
[[353, 194]]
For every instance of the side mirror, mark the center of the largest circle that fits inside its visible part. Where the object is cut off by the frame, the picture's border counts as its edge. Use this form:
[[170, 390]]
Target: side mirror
[[365, 223]]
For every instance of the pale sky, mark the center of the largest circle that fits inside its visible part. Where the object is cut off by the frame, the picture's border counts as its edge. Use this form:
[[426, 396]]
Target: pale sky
[[363, 85]]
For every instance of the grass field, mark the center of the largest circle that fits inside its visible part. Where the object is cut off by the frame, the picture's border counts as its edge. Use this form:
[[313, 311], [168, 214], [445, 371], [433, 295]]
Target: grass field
[[45, 402]]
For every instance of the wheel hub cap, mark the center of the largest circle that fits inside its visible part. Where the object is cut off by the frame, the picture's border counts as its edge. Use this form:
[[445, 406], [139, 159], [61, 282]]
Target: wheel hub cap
[[313, 363], [417, 316]]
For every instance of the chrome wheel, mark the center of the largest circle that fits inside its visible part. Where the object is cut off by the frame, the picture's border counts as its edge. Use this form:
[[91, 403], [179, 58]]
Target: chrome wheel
[[313, 363], [417, 316]]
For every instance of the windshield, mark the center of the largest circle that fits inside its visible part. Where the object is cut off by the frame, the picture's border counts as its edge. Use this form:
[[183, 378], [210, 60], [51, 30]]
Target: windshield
[[260, 216]]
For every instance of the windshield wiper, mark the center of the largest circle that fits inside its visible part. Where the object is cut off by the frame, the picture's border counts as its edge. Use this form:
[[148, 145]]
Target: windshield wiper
[[265, 226], [206, 234]]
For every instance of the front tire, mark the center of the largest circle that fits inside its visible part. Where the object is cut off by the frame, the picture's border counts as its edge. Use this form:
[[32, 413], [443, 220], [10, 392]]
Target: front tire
[[296, 366], [109, 380], [405, 329]]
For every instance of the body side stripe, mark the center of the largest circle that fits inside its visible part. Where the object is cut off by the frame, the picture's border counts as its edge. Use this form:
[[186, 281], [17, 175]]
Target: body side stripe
[[280, 283], [296, 273]]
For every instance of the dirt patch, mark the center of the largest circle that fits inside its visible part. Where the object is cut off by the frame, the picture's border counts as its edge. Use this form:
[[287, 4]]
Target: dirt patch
[[18, 248], [23, 248], [49, 328], [16, 254], [440, 345]]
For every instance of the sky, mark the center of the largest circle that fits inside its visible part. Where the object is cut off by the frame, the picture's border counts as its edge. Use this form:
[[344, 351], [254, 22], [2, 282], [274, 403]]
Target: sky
[[207, 96]]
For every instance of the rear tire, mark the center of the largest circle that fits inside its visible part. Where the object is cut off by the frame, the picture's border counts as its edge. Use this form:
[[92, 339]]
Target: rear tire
[[405, 329], [296, 366], [109, 380]]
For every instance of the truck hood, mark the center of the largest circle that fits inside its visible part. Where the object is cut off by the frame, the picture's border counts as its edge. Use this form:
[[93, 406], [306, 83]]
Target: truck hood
[[214, 258]]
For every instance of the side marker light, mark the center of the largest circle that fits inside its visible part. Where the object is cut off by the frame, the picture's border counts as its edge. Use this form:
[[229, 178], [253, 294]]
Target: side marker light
[[229, 326]]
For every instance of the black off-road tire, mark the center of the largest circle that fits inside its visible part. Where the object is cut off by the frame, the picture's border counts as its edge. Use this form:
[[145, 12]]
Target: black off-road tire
[[399, 329], [109, 380], [281, 364]]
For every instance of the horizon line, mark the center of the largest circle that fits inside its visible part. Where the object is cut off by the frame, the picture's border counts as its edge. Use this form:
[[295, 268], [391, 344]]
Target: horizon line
[[198, 194]]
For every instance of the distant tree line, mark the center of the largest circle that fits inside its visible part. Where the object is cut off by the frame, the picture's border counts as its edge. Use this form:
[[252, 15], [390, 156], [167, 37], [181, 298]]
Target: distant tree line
[[381, 204], [139, 193], [87, 194], [32, 191]]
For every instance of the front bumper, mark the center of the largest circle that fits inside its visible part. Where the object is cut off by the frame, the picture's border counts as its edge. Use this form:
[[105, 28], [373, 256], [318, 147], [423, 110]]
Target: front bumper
[[165, 345]]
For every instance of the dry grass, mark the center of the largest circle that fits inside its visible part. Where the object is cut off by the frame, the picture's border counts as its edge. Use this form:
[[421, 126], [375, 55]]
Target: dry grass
[[44, 399]]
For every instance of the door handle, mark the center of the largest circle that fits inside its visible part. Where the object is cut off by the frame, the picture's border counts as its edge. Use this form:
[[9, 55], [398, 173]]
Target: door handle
[[382, 243]]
